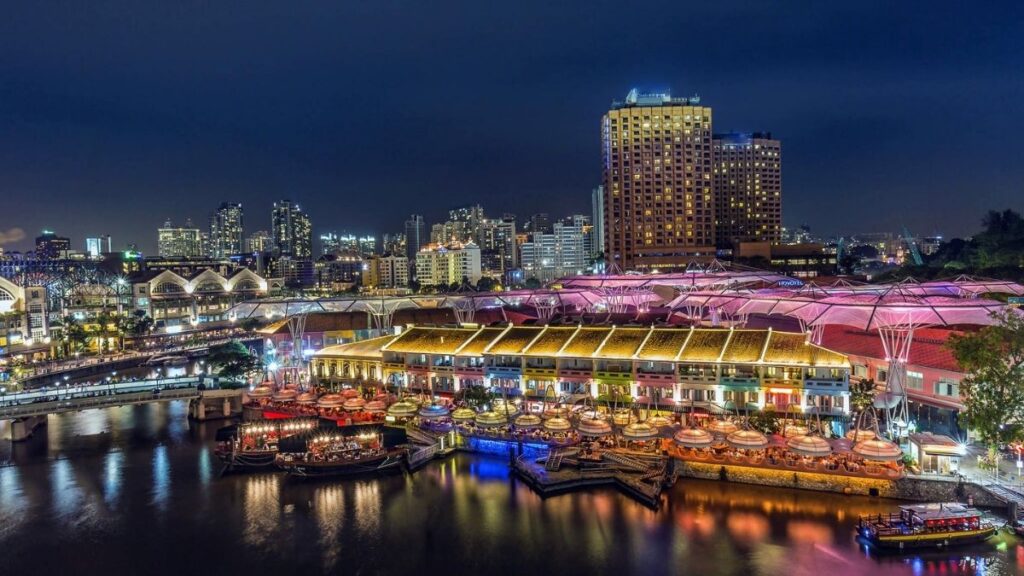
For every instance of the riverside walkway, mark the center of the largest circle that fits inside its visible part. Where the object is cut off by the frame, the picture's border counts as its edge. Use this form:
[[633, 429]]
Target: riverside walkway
[[72, 399]]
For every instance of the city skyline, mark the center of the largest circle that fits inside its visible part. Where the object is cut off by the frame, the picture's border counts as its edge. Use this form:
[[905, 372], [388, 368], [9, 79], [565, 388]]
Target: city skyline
[[106, 129]]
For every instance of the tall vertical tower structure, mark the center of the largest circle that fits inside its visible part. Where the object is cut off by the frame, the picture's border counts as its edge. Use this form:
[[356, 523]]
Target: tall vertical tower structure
[[292, 231], [657, 178], [226, 230], [748, 188]]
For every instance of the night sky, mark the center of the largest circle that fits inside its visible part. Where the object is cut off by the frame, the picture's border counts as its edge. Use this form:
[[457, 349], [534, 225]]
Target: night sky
[[115, 116]]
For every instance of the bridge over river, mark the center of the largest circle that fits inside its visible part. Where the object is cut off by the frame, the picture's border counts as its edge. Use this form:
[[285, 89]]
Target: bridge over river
[[29, 409]]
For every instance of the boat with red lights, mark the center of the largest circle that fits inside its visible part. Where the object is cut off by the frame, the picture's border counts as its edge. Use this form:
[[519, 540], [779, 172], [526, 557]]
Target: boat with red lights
[[933, 525]]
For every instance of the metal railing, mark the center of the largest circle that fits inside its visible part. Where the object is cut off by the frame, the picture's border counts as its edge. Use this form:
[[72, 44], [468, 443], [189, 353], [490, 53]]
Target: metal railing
[[10, 412], [71, 398]]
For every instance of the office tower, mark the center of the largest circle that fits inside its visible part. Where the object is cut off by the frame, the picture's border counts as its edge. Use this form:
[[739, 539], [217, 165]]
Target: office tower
[[498, 244], [657, 166], [259, 241], [330, 243], [472, 219], [367, 246], [597, 221], [563, 252], [292, 231], [539, 223], [179, 242], [415, 236], [226, 230], [50, 246], [394, 244], [98, 245], [748, 188]]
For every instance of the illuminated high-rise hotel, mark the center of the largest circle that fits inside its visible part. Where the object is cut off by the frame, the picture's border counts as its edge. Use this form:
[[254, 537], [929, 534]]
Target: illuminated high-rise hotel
[[657, 164], [748, 188]]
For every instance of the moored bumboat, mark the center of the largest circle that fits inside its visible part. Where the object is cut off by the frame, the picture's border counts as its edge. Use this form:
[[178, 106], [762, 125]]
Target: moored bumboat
[[934, 525], [344, 451]]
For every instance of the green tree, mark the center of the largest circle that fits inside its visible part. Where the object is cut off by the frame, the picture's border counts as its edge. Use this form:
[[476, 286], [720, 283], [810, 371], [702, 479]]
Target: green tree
[[73, 334], [765, 421], [862, 395], [475, 395], [485, 284], [993, 390], [532, 283], [233, 361]]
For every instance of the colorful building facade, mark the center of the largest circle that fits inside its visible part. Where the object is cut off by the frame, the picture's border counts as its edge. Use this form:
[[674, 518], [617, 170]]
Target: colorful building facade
[[697, 368]]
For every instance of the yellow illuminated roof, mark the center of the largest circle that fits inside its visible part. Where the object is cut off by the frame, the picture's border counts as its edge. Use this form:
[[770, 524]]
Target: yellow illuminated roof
[[475, 346], [745, 346], [793, 348], [429, 340], [623, 343], [514, 340], [653, 344], [705, 345], [663, 345], [550, 342], [585, 342], [369, 348]]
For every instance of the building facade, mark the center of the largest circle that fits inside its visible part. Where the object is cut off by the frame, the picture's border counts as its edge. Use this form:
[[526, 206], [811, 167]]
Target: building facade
[[447, 265], [747, 188], [657, 163], [415, 237], [179, 242], [387, 272], [52, 247], [597, 221], [292, 231], [707, 369], [564, 252], [226, 231]]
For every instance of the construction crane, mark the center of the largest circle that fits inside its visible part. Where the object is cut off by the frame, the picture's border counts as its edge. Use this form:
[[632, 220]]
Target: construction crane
[[912, 246]]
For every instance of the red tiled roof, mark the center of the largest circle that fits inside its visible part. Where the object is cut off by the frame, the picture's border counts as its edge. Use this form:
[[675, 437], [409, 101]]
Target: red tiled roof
[[928, 349]]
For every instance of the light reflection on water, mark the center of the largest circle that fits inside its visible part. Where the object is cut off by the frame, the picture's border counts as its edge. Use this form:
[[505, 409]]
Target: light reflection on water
[[125, 485]]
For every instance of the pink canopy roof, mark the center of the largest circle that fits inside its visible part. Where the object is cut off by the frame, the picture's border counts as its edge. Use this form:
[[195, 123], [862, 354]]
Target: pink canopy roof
[[897, 305]]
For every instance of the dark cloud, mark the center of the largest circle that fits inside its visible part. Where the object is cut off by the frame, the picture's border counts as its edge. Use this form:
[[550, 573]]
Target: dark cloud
[[116, 115]]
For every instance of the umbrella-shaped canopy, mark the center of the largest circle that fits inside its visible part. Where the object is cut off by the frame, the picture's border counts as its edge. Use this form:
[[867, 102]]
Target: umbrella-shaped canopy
[[694, 438], [747, 440], [260, 392], [375, 406], [330, 401], [792, 430], [349, 393], [659, 421], [463, 414], [860, 435], [433, 411], [557, 424], [723, 427], [593, 427], [527, 421], [878, 449], [504, 406], [285, 396], [623, 418], [555, 412], [402, 409], [809, 445], [306, 398], [491, 418], [639, 431], [353, 404]]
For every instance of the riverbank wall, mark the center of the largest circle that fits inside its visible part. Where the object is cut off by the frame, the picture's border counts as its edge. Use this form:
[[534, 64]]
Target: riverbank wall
[[911, 488]]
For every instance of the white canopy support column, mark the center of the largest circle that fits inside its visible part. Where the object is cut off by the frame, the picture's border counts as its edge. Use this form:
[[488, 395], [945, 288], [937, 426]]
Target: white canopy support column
[[896, 341], [464, 310]]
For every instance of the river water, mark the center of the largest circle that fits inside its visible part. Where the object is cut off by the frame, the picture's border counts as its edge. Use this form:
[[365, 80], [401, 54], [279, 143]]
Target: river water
[[137, 490]]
